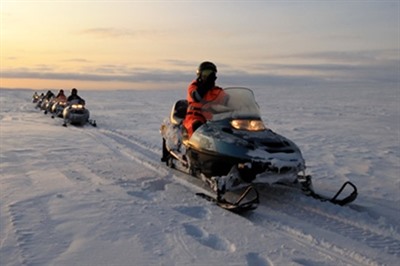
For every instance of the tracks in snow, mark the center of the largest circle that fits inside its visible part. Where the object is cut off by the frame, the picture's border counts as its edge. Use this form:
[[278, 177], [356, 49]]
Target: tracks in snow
[[296, 217]]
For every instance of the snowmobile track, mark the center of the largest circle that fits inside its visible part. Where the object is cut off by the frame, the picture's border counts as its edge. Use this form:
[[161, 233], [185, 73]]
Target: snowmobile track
[[134, 150], [382, 238], [276, 211]]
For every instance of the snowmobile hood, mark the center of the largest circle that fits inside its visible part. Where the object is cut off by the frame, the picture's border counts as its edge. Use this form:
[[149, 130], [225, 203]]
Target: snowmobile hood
[[219, 136]]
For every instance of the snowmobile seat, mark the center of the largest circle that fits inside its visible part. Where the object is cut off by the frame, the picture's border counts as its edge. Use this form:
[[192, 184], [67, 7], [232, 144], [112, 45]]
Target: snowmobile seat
[[178, 112]]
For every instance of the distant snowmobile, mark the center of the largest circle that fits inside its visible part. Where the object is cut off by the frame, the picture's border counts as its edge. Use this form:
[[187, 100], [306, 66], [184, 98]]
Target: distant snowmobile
[[35, 97], [58, 108], [43, 104], [234, 151], [77, 114]]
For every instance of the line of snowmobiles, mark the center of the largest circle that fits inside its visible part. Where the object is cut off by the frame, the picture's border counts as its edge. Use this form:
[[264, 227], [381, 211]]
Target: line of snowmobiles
[[234, 152], [74, 112]]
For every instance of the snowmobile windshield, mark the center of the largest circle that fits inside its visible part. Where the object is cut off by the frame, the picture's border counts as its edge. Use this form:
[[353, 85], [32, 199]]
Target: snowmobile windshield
[[237, 103]]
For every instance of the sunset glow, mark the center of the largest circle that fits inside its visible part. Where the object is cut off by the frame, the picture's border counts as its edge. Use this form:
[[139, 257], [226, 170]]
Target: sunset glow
[[159, 44]]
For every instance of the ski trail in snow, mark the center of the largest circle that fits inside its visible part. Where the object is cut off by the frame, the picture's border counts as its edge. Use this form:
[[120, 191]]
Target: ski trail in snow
[[387, 240], [111, 192], [257, 259], [130, 148], [207, 239], [145, 154], [378, 239], [196, 212], [55, 241]]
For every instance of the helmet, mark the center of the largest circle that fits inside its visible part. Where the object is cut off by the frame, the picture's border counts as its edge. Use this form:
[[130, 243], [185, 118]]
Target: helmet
[[206, 65], [74, 91]]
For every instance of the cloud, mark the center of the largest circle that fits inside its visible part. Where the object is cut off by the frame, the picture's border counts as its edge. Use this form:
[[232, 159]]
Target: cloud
[[342, 56], [360, 69], [180, 63], [139, 76], [349, 66], [225, 79], [383, 71], [115, 32], [77, 60], [11, 58]]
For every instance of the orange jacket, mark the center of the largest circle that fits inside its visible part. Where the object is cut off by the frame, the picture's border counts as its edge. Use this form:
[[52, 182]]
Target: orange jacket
[[194, 111], [61, 98]]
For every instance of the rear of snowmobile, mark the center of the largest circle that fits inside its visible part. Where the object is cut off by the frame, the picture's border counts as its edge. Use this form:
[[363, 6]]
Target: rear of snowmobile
[[234, 151]]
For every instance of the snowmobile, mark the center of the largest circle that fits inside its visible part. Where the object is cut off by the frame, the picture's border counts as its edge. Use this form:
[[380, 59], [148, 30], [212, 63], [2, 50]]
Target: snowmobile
[[77, 114], [49, 105], [35, 97], [58, 108], [39, 101], [233, 152], [44, 103]]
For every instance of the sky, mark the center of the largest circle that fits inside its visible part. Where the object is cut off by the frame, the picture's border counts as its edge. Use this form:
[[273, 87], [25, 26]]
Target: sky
[[159, 44]]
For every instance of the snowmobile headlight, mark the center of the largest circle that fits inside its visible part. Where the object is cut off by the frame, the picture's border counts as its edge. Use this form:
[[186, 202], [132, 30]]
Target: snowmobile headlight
[[77, 106], [248, 125]]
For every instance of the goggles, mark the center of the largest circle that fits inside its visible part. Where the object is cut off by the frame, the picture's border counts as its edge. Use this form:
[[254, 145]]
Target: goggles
[[205, 73]]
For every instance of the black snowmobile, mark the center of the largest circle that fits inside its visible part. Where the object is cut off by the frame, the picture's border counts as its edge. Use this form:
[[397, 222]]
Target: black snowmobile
[[77, 114], [234, 151], [35, 97]]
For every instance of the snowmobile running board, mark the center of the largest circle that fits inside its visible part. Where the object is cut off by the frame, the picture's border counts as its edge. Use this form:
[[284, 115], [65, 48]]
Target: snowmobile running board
[[307, 190], [238, 206]]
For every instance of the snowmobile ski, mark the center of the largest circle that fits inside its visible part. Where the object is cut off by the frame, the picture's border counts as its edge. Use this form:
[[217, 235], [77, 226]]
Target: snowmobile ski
[[92, 122], [306, 187], [241, 205]]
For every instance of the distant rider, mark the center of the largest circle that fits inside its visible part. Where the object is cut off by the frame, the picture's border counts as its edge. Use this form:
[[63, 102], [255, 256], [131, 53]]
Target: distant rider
[[47, 100], [74, 97], [49, 95], [61, 96], [35, 97]]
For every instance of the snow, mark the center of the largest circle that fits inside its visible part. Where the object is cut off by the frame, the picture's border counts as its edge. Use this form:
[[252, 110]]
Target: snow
[[101, 196]]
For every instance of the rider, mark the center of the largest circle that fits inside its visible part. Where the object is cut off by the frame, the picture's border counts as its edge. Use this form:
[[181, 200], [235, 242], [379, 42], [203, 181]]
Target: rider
[[35, 97], [61, 96], [49, 95], [200, 92], [48, 98], [74, 97]]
